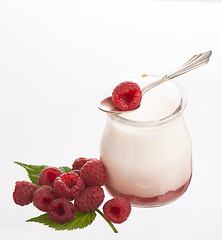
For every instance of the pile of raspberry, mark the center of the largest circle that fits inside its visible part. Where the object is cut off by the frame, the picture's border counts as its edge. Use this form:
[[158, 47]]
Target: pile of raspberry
[[61, 194]]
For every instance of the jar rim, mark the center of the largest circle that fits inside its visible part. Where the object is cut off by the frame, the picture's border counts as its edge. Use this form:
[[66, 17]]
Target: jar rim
[[158, 122]]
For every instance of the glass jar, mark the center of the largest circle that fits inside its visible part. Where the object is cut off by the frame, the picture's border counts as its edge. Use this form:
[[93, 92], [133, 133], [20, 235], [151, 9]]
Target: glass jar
[[147, 153]]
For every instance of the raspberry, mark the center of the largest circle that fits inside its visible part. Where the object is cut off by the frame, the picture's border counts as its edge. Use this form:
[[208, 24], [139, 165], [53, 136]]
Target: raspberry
[[76, 171], [48, 175], [117, 209], [89, 199], [93, 173], [68, 185], [61, 210], [78, 163], [23, 193], [127, 96], [43, 197]]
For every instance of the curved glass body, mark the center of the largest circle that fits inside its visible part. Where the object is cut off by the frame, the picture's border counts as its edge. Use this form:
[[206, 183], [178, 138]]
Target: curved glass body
[[147, 154]]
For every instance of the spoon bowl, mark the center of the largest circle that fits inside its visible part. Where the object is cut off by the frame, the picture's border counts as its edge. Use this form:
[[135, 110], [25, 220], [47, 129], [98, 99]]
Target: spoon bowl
[[108, 106]]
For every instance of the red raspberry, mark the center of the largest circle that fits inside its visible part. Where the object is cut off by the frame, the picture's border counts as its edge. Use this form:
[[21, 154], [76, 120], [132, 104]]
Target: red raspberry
[[76, 171], [68, 185], [89, 199], [43, 197], [117, 209], [78, 163], [93, 173], [127, 96], [61, 210], [48, 175], [23, 193]]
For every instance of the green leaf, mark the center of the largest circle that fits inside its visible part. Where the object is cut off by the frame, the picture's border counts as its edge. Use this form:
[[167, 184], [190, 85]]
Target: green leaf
[[65, 169], [33, 171], [81, 220]]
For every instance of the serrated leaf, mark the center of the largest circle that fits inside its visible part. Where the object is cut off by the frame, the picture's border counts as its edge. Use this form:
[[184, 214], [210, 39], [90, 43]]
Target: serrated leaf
[[65, 169], [33, 171], [81, 220]]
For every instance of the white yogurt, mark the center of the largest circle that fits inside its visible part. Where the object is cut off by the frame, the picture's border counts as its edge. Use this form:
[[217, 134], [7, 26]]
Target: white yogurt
[[148, 160]]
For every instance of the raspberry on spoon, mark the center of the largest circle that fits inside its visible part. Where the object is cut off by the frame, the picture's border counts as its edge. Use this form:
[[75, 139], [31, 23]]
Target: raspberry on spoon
[[127, 96]]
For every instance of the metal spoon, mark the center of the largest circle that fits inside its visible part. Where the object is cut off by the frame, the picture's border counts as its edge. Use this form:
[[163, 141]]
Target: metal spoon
[[196, 61]]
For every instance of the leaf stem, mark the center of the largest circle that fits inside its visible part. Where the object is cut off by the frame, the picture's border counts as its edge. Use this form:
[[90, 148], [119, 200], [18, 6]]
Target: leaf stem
[[110, 224]]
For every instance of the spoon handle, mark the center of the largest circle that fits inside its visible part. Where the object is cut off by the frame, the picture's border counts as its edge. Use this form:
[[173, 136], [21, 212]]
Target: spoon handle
[[193, 63]]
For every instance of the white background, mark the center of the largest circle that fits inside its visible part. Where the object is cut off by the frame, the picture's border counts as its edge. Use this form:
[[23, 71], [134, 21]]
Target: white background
[[56, 60]]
